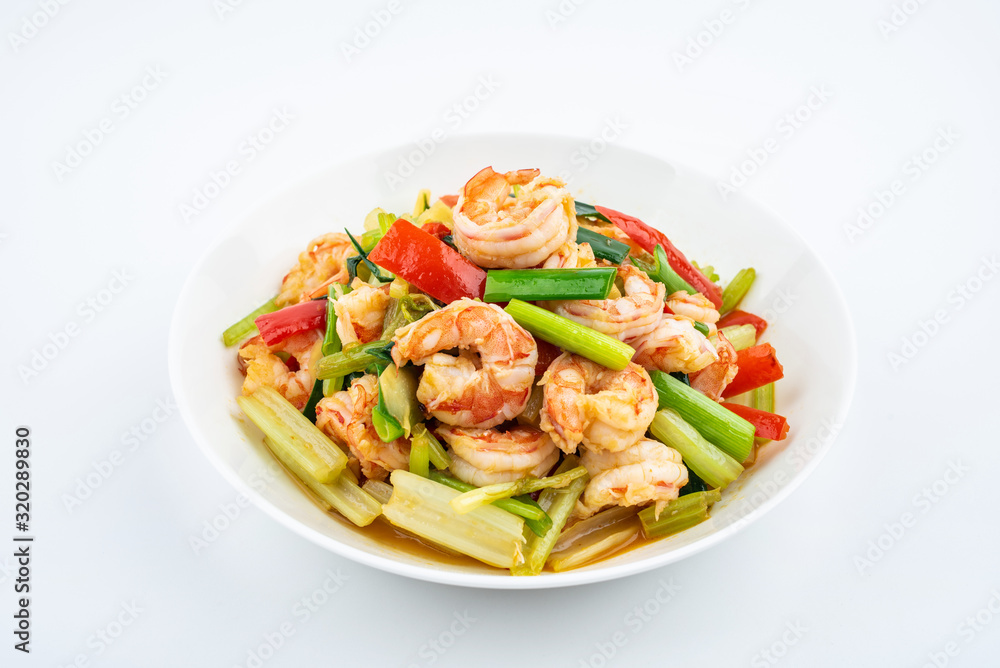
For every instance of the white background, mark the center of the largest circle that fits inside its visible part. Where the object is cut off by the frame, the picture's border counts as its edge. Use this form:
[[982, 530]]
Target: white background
[[834, 562]]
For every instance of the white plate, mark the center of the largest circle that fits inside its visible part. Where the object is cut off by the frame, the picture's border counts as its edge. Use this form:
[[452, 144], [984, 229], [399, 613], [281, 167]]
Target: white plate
[[809, 326]]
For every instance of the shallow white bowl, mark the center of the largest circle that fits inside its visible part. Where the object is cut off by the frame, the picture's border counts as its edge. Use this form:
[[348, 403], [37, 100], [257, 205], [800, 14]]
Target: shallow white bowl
[[809, 326]]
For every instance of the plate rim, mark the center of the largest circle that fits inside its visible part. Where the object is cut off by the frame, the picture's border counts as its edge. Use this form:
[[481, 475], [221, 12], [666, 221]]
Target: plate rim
[[500, 580]]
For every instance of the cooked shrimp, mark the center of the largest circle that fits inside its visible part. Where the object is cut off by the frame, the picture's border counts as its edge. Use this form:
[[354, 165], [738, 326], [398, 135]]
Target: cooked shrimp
[[347, 418], [589, 403], [625, 318], [494, 229], [647, 471], [489, 382], [675, 345], [360, 313], [487, 456], [696, 306], [712, 380], [322, 263], [571, 255], [293, 379]]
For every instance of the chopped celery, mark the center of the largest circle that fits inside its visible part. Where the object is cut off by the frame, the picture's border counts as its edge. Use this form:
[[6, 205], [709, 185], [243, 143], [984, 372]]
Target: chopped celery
[[356, 358], [439, 212], [380, 491], [245, 327], [420, 457], [570, 335], [385, 221], [504, 490], [438, 455], [720, 426], [741, 336], [399, 390], [558, 504], [423, 202], [711, 464], [680, 514], [372, 222], [502, 285], [423, 507], [398, 288], [520, 507], [331, 340], [736, 289], [532, 409], [595, 537], [343, 494], [292, 433], [605, 248], [708, 270], [404, 310], [763, 398], [386, 426], [332, 385]]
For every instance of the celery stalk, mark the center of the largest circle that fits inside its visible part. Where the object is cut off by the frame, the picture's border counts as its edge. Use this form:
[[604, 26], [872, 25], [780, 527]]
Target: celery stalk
[[680, 514], [530, 415], [245, 327], [711, 464], [378, 490], [423, 202], [595, 538], [399, 392], [741, 336], [291, 432], [353, 359], [571, 335], [438, 455], [343, 494], [720, 426], [420, 457], [515, 506], [558, 504], [422, 506], [736, 289], [473, 499]]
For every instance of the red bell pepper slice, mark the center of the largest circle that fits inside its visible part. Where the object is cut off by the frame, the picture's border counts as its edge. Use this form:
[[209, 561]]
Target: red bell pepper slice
[[436, 229], [547, 353], [278, 326], [738, 317], [429, 263], [648, 237], [450, 200], [766, 425], [757, 366]]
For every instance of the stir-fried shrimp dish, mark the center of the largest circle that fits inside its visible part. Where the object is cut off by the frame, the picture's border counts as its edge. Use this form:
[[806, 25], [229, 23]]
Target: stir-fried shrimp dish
[[511, 375]]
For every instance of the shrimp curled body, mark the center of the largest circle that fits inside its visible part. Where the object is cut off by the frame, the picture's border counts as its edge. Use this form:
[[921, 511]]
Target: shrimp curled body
[[494, 229], [625, 318], [346, 416], [470, 390], [360, 313], [587, 403], [294, 378], [488, 456], [644, 472], [674, 345], [322, 263]]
